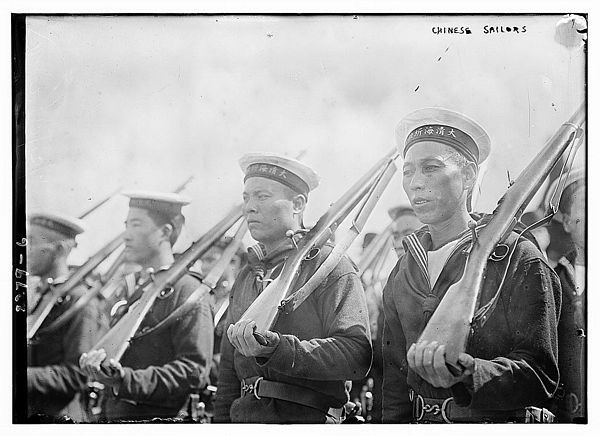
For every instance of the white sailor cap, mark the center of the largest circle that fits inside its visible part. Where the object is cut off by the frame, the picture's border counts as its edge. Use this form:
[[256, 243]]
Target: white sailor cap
[[576, 175], [447, 127], [166, 203], [289, 172], [59, 223]]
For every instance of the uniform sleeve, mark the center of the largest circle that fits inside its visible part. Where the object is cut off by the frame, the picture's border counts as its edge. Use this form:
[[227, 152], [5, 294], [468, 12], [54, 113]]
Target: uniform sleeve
[[228, 388], [345, 353], [79, 336], [397, 407], [64, 380], [192, 339], [528, 375]]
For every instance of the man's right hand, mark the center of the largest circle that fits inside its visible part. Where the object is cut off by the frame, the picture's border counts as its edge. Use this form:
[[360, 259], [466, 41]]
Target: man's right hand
[[92, 365]]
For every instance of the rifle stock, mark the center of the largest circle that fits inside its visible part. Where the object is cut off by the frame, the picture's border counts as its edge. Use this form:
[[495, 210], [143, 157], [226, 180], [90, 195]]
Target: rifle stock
[[116, 340], [451, 322], [264, 309]]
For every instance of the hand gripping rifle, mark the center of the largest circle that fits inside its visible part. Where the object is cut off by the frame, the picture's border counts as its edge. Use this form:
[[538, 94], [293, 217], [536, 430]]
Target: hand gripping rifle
[[265, 308], [455, 316], [44, 307], [116, 340]]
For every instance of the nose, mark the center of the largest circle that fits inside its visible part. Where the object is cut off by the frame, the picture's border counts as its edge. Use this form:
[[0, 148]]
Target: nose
[[127, 235], [249, 207], [416, 181]]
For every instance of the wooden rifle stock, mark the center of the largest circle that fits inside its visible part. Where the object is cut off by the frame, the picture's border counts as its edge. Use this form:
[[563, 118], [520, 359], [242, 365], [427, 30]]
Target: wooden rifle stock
[[264, 309], [116, 340], [451, 322]]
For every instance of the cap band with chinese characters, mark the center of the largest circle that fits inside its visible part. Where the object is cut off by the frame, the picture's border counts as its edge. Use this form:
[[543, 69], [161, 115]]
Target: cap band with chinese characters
[[448, 135], [289, 172], [278, 174]]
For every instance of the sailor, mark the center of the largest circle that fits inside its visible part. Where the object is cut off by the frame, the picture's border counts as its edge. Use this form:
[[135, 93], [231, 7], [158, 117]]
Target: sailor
[[404, 222], [220, 295], [510, 361], [299, 376], [571, 404], [166, 361], [52, 377]]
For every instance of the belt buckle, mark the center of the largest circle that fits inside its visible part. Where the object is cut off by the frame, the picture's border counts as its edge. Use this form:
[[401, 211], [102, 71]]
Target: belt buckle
[[247, 388], [444, 410], [255, 387], [418, 407]]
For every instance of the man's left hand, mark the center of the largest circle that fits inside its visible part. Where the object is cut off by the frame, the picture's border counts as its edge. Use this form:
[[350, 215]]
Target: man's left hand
[[241, 336], [428, 360]]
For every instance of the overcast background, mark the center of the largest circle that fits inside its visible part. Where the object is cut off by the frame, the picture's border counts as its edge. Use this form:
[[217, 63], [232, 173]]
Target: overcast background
[[145, 102]]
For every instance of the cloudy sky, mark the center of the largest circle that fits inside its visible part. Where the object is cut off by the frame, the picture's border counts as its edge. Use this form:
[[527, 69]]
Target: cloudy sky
[[146, 102]]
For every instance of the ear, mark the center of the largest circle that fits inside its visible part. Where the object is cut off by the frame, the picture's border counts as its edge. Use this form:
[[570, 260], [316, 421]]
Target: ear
[[469, 173], [566, 222], [299, 203], [61, 248], [166, 231]]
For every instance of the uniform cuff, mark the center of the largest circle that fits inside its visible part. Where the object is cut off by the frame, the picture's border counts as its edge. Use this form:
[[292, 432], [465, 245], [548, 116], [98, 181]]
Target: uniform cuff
[[278, 358]]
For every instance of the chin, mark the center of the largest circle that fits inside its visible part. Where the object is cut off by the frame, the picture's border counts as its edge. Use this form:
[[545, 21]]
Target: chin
[[256, 234]]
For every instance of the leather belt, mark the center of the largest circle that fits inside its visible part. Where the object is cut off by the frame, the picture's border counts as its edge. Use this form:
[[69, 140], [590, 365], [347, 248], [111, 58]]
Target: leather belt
[[445, 410], [259, 387]]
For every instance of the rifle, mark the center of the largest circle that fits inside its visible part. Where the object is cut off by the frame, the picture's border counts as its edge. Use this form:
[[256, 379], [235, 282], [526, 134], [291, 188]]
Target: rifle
[[371, 258], [116, 340], [44, 307], [82, 301], [453, 320], [100, 203], [265, 308]]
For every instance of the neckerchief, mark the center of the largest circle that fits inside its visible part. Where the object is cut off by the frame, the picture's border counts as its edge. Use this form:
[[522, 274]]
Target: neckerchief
[[260, 261], [417, 245]]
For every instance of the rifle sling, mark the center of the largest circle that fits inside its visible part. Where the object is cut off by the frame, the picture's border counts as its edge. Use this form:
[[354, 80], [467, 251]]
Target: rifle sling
[[485, 311], [291, 303], [191, 303]]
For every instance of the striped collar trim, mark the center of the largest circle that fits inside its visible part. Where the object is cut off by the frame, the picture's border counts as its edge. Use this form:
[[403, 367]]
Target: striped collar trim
[[412, 244], [257, 249]]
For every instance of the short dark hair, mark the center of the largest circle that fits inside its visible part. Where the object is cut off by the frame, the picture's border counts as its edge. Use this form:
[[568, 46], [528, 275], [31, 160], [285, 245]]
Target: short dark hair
[[566, 199], [161, 219]]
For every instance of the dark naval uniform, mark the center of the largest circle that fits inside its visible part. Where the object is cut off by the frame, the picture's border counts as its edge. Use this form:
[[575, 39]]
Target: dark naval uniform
[[324, 342], [53, 377], [515, 351], [164, 363], [571, 397]]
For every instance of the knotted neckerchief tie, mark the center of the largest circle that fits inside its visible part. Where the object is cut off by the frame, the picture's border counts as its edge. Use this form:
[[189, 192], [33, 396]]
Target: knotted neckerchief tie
[[260, 262]]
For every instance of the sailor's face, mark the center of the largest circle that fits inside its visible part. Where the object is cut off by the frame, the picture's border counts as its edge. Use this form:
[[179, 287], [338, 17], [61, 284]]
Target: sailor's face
[[402, 226], [268, 209], [142, 236], [434, 183], [41, 251]]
